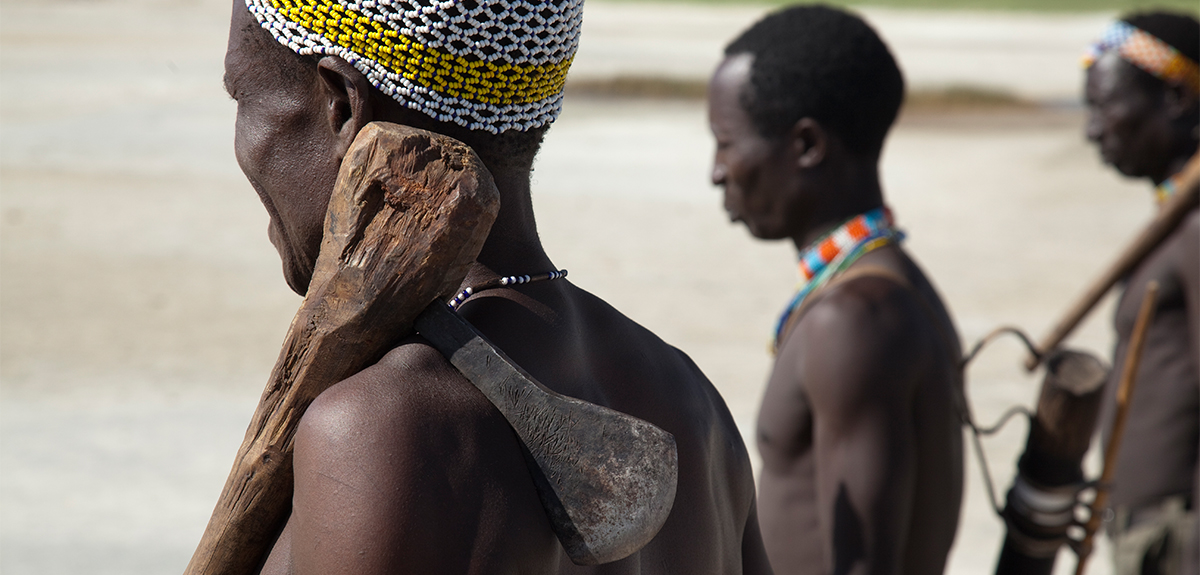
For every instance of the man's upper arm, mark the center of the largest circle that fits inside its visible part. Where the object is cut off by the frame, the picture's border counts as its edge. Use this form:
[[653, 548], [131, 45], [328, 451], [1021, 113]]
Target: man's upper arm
[[859, 369], [356, 461]]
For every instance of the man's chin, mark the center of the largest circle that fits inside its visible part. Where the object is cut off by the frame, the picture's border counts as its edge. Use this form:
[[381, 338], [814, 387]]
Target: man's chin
[[297, 277], [1114, 159], [763, 233], [1126, 169], [750, 226], [297, 271]]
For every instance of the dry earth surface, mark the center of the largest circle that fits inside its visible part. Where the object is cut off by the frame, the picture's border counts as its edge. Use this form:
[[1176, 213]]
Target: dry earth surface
[[142, 307]]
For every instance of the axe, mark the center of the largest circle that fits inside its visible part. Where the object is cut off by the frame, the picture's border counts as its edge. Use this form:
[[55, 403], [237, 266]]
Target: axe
[[408, 215]]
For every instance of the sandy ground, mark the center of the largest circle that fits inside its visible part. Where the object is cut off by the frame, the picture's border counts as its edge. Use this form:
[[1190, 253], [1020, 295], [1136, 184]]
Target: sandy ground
[[142, 306], [1030, 55]]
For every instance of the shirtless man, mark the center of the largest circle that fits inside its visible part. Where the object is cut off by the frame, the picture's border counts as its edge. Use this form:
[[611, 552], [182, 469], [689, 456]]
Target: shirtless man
[[859, 430], [1145, 120], [406, 467]]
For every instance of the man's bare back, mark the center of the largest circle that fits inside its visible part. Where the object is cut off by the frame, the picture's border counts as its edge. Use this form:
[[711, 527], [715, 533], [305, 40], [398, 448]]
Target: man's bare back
[[407, 464], [895, 428]]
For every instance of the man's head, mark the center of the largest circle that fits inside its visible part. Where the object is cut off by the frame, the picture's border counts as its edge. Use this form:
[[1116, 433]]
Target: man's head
[[803, 88], [1141, 91], [308, 75]]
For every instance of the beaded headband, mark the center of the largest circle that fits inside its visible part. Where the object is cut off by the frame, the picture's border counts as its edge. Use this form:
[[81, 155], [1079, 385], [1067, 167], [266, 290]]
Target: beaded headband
[[1147, 52], [493, 65]]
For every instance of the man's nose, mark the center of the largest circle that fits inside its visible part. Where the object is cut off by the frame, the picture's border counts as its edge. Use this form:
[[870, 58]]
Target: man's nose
[[718, 174]]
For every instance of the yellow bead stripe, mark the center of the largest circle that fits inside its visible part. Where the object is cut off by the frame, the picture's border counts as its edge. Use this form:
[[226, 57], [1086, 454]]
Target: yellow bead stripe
[[495, 83]]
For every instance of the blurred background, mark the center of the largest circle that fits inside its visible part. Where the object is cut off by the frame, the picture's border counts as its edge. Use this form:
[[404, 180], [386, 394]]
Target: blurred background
[[141, 306]]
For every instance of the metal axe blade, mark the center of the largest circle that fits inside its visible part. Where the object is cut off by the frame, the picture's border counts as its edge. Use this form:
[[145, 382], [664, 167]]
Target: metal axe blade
[[606, 479]]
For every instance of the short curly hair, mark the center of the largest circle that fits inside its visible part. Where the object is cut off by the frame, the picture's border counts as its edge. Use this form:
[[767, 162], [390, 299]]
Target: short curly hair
[[819, 62], [1178, 30]]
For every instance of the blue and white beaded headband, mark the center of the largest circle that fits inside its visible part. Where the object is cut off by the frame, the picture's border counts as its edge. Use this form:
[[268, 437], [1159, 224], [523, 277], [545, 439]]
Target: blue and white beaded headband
[[1147, 52], [494, 65]]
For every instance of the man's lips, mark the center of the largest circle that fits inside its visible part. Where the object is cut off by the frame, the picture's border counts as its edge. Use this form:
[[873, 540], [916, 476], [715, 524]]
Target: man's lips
[[732, 213], [276, 238]]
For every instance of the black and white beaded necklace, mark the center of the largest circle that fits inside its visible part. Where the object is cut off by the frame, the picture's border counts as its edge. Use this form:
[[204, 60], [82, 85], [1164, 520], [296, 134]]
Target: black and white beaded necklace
[[466, 293]]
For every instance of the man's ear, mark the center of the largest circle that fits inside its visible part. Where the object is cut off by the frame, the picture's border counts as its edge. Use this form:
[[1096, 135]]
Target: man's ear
[[809, 143], [349, 100]]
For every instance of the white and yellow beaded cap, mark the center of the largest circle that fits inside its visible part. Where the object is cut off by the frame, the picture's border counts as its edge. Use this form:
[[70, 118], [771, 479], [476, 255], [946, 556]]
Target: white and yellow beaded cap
[[494, 65]]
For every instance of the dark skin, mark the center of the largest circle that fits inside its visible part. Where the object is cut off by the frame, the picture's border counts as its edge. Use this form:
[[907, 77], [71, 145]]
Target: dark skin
[[860, 437], [1148, 129], [406, 467], [1142, 130]]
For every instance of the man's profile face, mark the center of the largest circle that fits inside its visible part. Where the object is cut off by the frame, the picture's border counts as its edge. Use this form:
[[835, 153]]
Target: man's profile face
[[284, 143], [751, 169], [1125, 122]]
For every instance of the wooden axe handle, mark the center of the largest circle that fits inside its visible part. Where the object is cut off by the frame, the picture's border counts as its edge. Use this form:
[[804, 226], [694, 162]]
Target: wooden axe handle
[[408, 215], [1152, 236]]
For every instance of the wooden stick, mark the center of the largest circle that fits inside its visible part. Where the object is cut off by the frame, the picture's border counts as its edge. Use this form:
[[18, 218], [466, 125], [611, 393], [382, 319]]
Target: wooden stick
[[1133, 357], [410, 212], [1186, 197]]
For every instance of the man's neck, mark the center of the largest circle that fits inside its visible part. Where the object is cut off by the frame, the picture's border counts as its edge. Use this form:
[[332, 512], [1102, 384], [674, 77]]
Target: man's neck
[[513, 246], [1172, 167], [847, 193]]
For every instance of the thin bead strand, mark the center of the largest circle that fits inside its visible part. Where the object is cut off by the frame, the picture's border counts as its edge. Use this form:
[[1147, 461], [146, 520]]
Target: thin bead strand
[[466, 293]]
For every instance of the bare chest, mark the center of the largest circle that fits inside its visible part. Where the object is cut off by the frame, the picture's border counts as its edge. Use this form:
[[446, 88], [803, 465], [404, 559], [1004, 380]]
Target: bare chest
[[785, 421]]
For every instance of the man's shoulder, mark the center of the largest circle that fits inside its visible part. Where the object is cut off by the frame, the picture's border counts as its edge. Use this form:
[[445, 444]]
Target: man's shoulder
[[399, 389], [1187, 237], [402, 407], [862, 311], [868, 336], [1186, 234], [409, 408], [1176, 259]]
